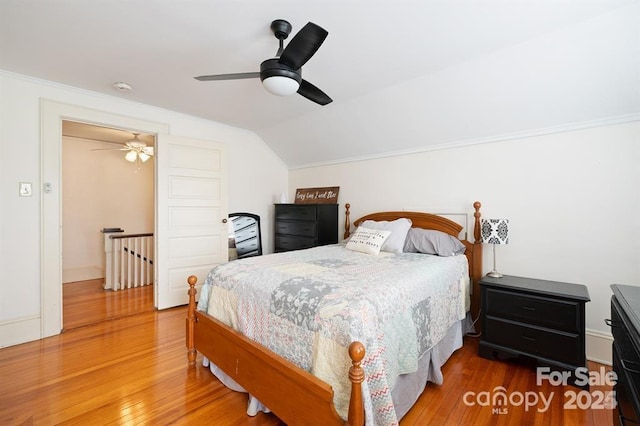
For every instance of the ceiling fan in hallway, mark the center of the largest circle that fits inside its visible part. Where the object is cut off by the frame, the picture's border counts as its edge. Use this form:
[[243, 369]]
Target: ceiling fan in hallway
[[282, 75], [137, 150]]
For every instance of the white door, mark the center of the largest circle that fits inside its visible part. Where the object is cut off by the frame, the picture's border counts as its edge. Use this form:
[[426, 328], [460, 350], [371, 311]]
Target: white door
[[191, 214]]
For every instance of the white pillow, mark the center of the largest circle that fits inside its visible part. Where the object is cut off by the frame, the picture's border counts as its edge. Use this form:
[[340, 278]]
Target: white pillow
[[366, 240], [398, 228]]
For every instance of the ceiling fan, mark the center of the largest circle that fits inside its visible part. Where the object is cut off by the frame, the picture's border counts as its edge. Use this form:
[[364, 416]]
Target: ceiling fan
[[136, 150], [282, 75]]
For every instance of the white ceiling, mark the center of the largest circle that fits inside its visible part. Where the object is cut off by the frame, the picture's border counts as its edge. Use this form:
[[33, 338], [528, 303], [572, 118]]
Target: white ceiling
[[404, 75], [102, 134]]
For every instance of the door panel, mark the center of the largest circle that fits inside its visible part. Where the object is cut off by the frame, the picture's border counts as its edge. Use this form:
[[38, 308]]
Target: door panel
[[191, 214]]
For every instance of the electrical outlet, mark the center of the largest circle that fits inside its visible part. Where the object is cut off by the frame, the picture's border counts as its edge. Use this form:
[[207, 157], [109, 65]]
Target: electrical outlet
[[25, 189]]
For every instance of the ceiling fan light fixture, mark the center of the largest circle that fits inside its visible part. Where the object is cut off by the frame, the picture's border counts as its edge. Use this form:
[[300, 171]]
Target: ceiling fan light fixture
[[281, 86], [131, 156], [279, 79], [144, 157]]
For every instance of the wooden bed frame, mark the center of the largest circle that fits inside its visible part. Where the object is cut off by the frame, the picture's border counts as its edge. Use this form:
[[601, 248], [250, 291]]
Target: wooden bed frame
[[299, 397]]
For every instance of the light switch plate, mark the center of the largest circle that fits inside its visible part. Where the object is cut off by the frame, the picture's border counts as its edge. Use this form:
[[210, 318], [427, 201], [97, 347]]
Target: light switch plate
[[25, 189]]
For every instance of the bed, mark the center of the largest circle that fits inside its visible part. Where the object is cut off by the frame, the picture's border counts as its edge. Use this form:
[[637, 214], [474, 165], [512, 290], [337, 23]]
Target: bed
[[307, 307]]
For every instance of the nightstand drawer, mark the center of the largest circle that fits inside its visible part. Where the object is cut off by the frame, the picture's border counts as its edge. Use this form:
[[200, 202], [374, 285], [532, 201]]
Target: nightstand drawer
[[539, 342], [305, 229], [542, 311]]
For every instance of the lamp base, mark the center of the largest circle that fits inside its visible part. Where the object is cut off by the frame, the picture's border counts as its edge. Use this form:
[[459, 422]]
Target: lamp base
[[495, 274]]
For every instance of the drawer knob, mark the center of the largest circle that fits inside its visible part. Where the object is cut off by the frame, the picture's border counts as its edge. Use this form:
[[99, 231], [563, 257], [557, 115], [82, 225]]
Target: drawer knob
[[531, 339]]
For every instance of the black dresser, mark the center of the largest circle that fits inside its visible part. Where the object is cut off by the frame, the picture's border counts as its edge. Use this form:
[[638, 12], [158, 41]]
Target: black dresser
[[537, 319], [300, 226], [625, 327]]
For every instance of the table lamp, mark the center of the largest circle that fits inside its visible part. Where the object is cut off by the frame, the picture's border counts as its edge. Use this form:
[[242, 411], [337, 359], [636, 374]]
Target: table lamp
[[495, 231]]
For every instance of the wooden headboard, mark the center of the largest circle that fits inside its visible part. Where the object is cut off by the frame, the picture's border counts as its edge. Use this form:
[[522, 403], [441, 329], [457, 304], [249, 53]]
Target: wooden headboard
[[431, 221]]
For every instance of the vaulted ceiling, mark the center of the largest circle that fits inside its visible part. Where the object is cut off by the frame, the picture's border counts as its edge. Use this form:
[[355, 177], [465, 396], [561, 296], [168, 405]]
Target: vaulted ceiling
[[403, 75]]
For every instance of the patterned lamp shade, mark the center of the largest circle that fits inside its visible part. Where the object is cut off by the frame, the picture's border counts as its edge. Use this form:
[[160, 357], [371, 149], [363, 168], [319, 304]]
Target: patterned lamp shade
[[495, 231]]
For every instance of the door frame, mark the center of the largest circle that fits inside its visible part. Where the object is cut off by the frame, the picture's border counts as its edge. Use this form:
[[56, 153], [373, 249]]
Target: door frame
[[52, 114]]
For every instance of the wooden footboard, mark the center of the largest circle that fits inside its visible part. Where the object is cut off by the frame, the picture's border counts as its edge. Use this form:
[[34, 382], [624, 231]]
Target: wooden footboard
[[293, 394]]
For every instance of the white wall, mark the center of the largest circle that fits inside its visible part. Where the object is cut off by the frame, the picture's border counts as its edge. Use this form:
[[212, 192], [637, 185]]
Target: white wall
[[572, 198], [256, 177], [100, 189]]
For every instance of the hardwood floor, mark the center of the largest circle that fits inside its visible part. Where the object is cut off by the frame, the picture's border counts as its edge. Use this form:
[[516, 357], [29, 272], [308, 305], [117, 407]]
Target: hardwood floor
[[85, 303], [133, 370]]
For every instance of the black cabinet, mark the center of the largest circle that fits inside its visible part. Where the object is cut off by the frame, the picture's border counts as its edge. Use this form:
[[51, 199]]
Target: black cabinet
[[625, 327], [300, 226], [538, 319]]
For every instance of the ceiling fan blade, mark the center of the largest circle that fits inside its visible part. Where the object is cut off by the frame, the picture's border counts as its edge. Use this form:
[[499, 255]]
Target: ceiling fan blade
[[110, 149], [314, 94], [148, 150], [236, 76], [303, 45]]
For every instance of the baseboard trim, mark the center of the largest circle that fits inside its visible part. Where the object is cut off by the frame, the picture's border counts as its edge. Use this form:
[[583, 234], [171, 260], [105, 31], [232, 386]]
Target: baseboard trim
[[82, 273], [21, 330], [599, 346]]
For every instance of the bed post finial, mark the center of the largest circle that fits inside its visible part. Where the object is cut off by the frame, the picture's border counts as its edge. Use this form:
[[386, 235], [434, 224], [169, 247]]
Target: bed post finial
[[476, 225], [191, 320], [347, 224], [356, 375]]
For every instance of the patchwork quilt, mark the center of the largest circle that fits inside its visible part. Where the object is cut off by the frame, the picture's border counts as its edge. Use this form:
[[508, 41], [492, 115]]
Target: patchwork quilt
[[309, 305]]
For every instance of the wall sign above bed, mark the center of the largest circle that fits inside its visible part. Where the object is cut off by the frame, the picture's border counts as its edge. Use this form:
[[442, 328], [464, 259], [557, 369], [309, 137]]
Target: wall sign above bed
[[327, 195]]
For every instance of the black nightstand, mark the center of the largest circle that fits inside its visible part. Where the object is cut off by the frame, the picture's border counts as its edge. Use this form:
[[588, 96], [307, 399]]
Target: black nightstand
[[541, 320]]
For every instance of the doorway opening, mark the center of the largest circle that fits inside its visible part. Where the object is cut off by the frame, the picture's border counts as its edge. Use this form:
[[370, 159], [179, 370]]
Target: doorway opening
[[107, 185]]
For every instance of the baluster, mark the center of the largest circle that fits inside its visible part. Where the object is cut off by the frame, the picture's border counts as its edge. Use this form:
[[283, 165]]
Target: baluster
[[124, 266], [136, 262], [123, 263], [117, 261], [129, 268], [143, 256], [143, 253]]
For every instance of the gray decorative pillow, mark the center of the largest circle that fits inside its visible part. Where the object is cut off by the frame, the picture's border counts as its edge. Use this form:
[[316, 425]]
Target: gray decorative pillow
[[398, 228], [429, 241]]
